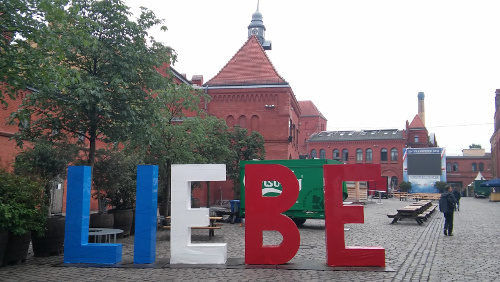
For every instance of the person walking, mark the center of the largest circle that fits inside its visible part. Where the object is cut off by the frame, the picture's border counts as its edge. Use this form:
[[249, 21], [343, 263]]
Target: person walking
[[457, 196], [447, 206]]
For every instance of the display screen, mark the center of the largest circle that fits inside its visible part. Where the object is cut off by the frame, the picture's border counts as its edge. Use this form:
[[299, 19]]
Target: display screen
[[424, 164]]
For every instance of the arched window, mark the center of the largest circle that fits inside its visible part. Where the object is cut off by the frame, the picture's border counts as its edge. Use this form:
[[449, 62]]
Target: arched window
[[359, 155], [243, 121], [336, 154], [474, 167], [455, 167], [448, 167], [481, 167], [322, 154], [369, 155], [345, 155], [394, 154], [255, 123], [383, 155], [314, 154], [230, 121]]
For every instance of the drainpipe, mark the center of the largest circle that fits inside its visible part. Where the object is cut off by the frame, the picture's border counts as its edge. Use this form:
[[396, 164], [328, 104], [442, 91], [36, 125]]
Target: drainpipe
[[206, 92]]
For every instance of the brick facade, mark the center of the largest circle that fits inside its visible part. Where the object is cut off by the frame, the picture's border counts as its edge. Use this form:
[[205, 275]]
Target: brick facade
[[462, 170], [495, 138]]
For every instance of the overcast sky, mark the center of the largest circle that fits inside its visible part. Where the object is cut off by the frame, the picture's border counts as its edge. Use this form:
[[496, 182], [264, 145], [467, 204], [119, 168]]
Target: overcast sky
[[361, 62]]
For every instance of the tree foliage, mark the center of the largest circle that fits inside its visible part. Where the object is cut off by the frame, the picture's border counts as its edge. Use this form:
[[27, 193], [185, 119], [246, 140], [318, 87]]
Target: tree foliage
[[475, 146], [245, 147], [46, 162], [21, 204], [18, 26], [441, 186], [115, 178], [98, 74], [405, 186]]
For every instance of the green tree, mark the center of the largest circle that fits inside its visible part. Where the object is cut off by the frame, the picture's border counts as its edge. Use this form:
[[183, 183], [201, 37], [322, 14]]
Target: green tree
[[475, 146], [18, 25], [213, 144], [98, 74], [47, 162], [175, 137], [405, 186], [245, 147], [441, 186], [115, 178]]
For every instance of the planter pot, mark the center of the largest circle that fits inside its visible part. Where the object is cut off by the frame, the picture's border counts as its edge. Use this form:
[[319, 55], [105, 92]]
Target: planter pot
[[101, 220], [17, 248], [52, 243], [123, 221], [161, 208], [4, 237]]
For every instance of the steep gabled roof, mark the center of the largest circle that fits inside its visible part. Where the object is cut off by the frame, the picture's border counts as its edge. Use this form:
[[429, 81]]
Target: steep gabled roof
[[417, 123], [250, 65], [308, 109]]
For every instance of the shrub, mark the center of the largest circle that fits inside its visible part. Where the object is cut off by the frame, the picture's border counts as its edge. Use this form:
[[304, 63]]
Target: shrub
[[21, 204], [114, 177]]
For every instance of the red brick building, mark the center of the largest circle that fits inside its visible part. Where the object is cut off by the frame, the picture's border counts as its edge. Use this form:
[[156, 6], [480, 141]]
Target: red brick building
[[380, 146], [8, 149], [495, 139], [249, 91], [462, 170]]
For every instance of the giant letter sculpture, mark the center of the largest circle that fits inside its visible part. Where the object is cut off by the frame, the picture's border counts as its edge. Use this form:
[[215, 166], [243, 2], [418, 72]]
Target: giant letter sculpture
[[264, 214], [184, 217], [76, 243], [336, 215], [145, 214]]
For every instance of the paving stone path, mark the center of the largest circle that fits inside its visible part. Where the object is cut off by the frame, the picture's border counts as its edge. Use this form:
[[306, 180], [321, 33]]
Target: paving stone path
[[413, 252]]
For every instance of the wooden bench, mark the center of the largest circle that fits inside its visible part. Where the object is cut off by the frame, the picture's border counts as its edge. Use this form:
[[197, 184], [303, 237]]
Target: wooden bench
[[211, 227], [196, 227], [401, 195]]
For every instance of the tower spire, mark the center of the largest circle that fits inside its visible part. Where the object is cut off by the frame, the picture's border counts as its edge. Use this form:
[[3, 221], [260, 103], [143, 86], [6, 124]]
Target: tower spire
[[257, 28]]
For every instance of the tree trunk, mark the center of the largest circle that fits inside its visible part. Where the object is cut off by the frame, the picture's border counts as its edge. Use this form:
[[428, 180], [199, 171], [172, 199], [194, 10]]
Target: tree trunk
[[208, 193], [91, 161], [167, 188]]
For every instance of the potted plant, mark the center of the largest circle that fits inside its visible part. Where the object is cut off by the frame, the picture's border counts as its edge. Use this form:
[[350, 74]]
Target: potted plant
[[114, 178], [48, 162], [21, 211]]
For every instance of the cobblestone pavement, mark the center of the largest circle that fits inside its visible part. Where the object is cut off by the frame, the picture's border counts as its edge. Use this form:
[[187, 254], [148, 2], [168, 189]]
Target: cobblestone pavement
[[415, 253]]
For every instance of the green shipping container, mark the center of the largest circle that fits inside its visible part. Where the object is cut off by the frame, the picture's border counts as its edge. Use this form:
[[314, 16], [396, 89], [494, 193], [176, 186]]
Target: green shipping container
[[309, 173]]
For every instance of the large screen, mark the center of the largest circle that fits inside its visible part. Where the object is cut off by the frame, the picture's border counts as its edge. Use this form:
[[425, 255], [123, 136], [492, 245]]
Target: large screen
[[423, 167], [424, 164]]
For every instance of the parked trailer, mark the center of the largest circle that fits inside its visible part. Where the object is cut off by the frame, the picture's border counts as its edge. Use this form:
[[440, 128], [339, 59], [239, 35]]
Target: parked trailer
[[481, 192], [309, 173]]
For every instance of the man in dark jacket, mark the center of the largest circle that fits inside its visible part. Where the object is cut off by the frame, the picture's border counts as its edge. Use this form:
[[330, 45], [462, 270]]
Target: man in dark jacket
[[447, 206], [457, 196]]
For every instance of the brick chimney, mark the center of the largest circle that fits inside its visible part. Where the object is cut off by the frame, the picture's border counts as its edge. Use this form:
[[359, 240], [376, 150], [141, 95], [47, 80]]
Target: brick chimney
[[421, 108], [197, 80]]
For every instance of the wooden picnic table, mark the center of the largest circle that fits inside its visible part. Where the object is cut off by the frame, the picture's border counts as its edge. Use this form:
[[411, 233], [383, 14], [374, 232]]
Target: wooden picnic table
[[419, 211], [211, 227]]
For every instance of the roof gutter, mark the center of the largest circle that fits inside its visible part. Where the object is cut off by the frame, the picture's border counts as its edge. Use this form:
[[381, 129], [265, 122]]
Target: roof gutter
[[247, 86]]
